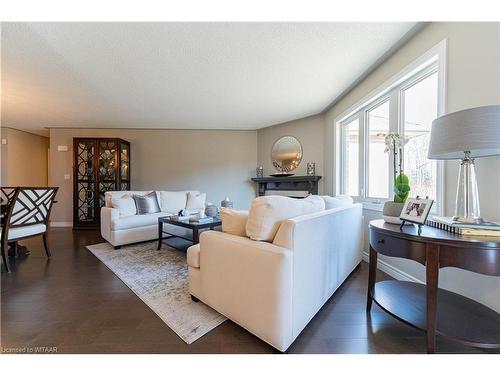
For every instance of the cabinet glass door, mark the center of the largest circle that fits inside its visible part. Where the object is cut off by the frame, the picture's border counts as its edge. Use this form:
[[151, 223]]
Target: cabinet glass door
[[85, 182]]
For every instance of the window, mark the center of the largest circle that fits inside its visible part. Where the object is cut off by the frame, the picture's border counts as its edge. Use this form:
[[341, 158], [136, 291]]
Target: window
[[351, 160], [407, 105], [420, 108], [378, 160]]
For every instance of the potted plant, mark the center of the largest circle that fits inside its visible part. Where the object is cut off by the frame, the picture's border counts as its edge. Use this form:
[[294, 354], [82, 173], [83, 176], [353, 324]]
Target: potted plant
[[394, 144]]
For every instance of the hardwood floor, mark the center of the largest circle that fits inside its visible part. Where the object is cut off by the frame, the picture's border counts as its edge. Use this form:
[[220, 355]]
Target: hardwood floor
[[75, 303]]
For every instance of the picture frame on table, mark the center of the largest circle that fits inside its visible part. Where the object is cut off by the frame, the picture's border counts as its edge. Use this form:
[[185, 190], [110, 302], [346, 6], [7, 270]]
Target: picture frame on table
[[416, 211]]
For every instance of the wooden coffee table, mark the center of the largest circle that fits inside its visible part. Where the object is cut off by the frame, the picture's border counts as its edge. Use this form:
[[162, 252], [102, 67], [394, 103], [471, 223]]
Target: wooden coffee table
[[193, 226]]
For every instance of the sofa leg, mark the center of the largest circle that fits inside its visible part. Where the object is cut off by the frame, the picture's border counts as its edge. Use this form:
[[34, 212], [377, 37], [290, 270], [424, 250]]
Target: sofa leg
[[118, 247], [194, 299]]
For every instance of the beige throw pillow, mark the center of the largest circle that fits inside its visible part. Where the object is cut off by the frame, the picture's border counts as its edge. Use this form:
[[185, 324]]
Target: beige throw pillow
[[196, 202], [234, 221], [267, 213], [125, 204]]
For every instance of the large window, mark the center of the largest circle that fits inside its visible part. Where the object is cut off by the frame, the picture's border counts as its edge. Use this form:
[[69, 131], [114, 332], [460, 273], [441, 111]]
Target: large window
[[407, 108], [420, 108], [378, 161], [351, 160]]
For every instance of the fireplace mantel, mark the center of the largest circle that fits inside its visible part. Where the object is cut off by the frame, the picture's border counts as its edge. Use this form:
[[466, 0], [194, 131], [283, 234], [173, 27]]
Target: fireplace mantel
[[291, 183]]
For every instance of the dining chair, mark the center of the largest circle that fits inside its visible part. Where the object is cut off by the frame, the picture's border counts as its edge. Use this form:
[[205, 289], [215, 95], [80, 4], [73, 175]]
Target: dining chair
[[26, 214]]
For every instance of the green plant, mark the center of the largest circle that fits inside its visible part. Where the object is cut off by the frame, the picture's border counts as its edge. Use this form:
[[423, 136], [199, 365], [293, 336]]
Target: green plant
[[394, 144], [401, 188]]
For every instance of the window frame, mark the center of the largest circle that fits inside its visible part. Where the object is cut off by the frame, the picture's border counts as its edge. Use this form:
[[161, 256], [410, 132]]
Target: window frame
[[433, 61]]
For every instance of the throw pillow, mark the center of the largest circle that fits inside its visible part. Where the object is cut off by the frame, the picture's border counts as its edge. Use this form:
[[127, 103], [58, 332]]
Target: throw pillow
[[196, 202], [267, 213], [146, 204], [173, 201], [337, 201], [234, 221], [125, 204]]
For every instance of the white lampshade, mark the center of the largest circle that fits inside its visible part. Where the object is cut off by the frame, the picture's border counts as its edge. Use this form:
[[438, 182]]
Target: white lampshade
[[476, 130]]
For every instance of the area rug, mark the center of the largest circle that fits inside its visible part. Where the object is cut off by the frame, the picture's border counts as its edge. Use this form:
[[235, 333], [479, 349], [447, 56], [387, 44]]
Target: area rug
[[160, 279]]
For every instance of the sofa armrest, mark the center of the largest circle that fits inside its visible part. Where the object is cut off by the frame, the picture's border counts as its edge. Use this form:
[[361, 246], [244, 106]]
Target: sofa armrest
[[108, 215], [255, 274]]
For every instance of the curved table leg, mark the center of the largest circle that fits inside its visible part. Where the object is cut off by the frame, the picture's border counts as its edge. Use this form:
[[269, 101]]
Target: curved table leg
[[371, 278], [432, 278]]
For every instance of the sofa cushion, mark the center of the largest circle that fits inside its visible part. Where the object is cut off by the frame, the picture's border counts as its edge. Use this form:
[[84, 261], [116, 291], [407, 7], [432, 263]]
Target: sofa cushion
[[337, 201], [193, 256], [136, 221], [196, 202], [125, 204], [267, 213], [234, 221], [146, 204]]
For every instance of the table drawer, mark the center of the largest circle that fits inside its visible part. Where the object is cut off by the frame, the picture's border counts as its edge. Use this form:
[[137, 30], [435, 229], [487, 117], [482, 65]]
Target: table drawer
[[397, 247]]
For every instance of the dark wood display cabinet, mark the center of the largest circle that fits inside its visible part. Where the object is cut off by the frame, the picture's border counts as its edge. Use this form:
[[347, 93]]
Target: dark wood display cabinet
[[99, 165]]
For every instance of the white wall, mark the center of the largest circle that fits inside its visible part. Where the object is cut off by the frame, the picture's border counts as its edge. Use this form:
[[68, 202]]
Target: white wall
[[473, 79], [219, 163]]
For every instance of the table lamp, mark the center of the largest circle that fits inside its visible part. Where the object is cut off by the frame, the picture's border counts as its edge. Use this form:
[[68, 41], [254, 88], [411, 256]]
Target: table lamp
[[465, 135]]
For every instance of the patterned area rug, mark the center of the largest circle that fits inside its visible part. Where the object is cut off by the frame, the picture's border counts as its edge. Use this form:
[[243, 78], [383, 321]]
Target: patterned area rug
[[160, 279]]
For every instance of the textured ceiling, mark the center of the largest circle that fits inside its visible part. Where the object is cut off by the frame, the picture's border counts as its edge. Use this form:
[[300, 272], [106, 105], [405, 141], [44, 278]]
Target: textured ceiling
[[181, 75]]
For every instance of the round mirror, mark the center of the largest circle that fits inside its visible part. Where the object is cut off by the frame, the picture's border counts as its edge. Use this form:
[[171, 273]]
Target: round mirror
[[286, 154]]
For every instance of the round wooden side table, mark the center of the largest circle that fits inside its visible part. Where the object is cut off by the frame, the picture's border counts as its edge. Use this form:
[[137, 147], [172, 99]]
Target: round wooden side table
[[425, 306]]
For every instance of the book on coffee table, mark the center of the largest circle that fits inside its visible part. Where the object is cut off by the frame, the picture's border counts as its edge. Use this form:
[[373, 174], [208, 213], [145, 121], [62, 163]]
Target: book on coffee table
[[198, 220]]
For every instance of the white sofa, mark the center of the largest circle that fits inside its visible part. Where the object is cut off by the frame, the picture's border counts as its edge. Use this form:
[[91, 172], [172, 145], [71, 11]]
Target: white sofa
[[121, 230], [274, 289]]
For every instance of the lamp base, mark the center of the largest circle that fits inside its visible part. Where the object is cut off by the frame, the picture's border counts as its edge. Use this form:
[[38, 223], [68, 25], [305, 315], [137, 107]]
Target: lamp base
[[468, 220], [467, 200]]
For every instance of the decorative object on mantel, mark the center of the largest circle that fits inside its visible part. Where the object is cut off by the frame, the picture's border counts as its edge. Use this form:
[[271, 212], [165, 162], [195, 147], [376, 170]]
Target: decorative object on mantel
[[227, 203], [259, 171], [311, 169], [394, 144], [465, 135], [281, 174], [308, 184], [286, 154], [211, 210]]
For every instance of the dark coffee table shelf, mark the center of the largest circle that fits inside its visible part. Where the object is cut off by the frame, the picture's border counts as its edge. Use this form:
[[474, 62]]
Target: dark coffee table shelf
[[195, 228]]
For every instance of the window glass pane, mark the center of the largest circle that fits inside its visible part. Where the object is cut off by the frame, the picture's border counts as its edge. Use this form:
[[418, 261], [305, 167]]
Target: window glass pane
[[351, 158], [378, 160], [420, 108]]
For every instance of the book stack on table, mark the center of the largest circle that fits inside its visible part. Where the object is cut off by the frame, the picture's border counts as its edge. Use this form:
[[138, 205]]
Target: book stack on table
[[486, 228]]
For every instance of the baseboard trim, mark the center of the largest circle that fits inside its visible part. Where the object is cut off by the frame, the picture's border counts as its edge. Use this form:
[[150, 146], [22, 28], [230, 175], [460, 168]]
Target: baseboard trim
[[59, 224], [392, 271]]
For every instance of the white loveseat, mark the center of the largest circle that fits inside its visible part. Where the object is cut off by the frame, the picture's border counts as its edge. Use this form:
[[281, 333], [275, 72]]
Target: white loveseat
[[121, 230], [273, 289]]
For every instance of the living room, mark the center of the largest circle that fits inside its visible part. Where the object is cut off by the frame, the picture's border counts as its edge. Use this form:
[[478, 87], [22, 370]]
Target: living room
[[250, 187]]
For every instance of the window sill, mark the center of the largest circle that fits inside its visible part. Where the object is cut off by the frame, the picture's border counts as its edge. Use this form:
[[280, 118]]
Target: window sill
[[372, 206]]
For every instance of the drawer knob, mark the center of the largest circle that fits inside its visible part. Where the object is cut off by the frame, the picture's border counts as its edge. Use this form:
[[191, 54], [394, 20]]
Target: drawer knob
[[381, 241]]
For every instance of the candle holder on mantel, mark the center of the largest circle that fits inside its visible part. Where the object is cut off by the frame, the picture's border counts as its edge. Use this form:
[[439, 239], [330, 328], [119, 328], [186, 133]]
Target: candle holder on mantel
[[311, 169]]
